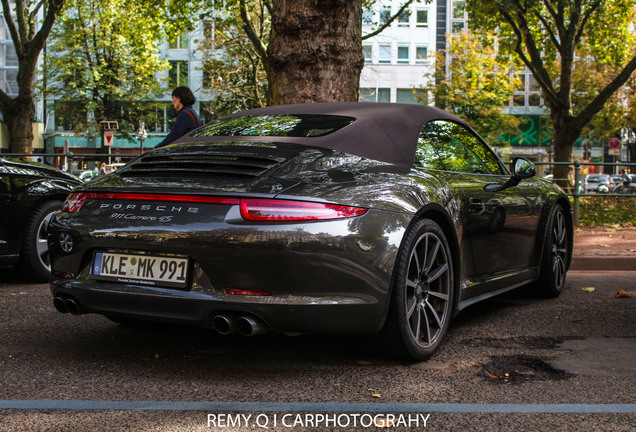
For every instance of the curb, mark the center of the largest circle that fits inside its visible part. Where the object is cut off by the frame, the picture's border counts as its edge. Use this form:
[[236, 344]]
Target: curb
[[603, 263]]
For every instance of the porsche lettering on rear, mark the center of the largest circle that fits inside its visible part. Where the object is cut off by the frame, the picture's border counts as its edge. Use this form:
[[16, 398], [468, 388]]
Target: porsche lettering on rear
[[149, 207]]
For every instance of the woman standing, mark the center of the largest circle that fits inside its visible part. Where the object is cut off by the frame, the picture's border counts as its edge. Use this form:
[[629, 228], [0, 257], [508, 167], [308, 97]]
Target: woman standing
[[187, 118]]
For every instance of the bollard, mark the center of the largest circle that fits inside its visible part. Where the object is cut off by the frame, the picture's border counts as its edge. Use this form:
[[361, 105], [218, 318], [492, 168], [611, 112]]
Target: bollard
[[576, 193]]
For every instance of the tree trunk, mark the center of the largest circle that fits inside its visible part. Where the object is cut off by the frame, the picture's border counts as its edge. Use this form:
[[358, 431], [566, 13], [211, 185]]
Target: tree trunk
[[18, 116], [315, 51], [565, 134]]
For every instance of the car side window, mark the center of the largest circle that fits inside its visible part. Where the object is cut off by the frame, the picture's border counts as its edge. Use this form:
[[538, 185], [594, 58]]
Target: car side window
[[455, 155], [425, 154], [481, 150]]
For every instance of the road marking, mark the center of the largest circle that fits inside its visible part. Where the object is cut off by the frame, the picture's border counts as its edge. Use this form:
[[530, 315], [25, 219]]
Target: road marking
[[315, 407]]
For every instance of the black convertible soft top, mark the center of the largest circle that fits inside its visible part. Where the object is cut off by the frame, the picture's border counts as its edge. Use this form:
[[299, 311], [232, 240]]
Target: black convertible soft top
[[386, 132]]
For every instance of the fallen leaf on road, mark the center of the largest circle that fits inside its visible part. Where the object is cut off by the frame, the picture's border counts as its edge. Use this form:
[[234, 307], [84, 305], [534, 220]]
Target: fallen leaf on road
[[588, 289], [622, 294], [503, 377], [376, 395], [364, 362], [604, 245]]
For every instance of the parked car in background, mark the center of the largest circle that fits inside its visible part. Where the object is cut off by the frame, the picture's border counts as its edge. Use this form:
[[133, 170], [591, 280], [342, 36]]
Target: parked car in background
[[616, 180], [86, 175], [320, 218], [30, 193], [595, 183]]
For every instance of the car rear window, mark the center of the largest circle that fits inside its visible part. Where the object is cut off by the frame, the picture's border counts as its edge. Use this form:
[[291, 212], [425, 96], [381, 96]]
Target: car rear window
[[303, 125]]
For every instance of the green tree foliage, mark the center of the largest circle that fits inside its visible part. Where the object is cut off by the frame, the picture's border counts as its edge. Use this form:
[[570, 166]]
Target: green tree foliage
[[103, 62], [29, 24], [476, 86], [547, 36], [234, 68]]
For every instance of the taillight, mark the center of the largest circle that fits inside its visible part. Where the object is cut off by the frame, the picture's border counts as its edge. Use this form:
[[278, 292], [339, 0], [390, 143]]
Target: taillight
[[254, 209], [73, 202]]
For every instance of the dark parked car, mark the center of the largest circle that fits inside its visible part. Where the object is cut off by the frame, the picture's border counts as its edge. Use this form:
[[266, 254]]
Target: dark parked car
[[30, 193], [330, 218]]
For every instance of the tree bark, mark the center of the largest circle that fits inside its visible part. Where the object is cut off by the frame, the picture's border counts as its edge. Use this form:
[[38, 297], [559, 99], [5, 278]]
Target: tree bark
[[315, 51], [18, 116]]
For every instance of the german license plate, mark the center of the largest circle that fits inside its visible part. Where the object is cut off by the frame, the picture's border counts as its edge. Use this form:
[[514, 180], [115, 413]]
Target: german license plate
[[141, 269]]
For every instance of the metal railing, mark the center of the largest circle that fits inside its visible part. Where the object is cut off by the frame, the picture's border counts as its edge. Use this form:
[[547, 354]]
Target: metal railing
[[576, 189]]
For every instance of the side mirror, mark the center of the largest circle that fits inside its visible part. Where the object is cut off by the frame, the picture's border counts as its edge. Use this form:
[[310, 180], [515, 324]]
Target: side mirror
[[523, 168]]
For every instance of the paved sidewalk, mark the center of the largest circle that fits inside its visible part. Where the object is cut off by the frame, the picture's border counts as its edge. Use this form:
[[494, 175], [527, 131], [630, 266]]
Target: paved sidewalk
[[604, 248]]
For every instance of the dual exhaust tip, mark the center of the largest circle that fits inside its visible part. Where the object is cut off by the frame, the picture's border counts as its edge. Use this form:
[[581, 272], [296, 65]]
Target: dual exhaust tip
[[67, 305], [245, 325], [224, 324]]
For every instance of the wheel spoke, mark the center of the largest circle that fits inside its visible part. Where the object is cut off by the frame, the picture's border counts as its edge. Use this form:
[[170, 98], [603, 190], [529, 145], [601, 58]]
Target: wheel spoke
[[42, 247], [439, 271], [417, 325], [431, 256], [435, 315], [411, 309], [428, 327], [439, 295]]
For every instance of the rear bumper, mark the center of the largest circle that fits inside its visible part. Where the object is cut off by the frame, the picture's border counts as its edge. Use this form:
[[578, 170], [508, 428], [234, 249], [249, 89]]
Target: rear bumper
[[335, 314]]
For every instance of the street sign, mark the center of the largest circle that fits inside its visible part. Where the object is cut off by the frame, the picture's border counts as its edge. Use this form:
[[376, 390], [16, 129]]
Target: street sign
[[109, 138], [614, 143], [614, 152]]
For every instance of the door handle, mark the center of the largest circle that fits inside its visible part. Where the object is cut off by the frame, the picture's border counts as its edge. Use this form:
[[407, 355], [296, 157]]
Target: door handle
[[476, 205]]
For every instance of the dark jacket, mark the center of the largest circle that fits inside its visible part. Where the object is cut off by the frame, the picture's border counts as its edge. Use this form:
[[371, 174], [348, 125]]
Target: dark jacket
[[182, 125]]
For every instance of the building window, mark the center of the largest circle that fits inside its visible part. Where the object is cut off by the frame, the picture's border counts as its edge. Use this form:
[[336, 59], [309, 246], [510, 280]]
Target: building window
[[385, 16], [403, 54], [421, 54], [178, 74], [367, 52], [375, 95], [459, 8], [458, 27], [367, 17], [406, 96], [534, 99], [179, 42], [384, 54], [519, 100], [422, 18], [404, 19]]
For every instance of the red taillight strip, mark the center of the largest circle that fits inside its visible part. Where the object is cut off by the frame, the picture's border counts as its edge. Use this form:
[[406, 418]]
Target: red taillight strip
[[255, 209], [252, 209]]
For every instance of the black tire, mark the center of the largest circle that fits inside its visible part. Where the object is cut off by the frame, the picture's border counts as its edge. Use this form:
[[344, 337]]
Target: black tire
[[555, 259], [422, 294], [34, 254]]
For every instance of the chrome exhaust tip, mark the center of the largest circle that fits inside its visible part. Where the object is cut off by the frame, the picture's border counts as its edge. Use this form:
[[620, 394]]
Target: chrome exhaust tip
[[72, 306], [248, 326], [60, 305], [224, 324]]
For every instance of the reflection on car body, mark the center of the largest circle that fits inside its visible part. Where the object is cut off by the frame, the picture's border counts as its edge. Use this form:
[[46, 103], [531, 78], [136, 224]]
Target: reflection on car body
[[330, 218]]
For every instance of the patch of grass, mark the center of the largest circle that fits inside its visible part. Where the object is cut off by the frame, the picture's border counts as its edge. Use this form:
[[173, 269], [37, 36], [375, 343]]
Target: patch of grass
[[600, 211]]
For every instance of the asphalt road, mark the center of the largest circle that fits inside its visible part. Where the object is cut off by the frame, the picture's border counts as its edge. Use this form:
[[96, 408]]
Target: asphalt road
[[570, 363]]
